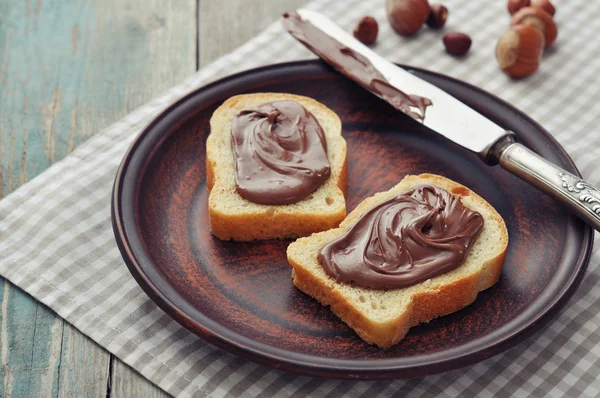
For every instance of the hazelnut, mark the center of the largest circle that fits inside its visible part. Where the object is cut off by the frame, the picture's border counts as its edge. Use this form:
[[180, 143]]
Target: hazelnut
[[366, 30], [538, 19], [516, 5], [544, 5], [519, 51], [438, 14], [407, 16], [457, 43]]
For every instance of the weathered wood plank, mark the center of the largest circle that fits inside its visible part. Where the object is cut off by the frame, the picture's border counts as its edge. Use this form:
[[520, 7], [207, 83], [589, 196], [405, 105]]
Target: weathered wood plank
[[67, 69], [29, 356], [224, 28], [167, 30], [121, 55], [84, 368], [36, 70], [46, 353], [128, 383]]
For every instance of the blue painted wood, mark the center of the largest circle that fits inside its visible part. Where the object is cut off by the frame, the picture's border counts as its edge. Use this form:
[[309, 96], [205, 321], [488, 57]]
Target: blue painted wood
[[29, 345], [39, 63], [67, 69]]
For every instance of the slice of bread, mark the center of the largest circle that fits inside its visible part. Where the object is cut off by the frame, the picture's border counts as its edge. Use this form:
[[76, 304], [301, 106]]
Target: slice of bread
[[383, 317], [233, 217]]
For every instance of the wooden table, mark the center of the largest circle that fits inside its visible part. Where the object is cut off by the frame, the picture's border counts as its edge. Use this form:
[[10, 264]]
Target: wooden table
[[68, 68]]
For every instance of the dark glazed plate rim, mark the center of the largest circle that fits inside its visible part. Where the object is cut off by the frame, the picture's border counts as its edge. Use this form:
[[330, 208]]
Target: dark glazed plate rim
[[162, 293]]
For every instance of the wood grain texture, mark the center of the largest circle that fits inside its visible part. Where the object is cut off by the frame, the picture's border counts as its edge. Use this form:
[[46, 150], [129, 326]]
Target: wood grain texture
[[222, 28], [68, 69], [84, 366], [31, 334], [129, 383], [30, 341], [147, 47]]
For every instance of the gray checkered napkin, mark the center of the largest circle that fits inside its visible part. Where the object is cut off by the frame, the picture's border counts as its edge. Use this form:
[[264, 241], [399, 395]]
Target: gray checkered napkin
[[56, 241]]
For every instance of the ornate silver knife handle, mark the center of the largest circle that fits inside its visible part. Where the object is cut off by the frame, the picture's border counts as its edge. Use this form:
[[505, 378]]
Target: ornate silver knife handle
[[579, 196]]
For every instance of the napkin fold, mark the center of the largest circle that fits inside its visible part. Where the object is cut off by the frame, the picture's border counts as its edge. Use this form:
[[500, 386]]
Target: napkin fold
[[56, 240]]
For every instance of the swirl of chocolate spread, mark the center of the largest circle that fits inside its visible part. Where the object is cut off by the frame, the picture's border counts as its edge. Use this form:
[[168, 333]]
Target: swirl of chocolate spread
[[407, 239], [280, 153]]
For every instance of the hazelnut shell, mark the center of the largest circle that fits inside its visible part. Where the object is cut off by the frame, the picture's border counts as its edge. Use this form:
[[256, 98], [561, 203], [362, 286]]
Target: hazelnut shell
[[438, 14], [519, 50], [407, 16], [538, 19], [515, 5], [544, 5]]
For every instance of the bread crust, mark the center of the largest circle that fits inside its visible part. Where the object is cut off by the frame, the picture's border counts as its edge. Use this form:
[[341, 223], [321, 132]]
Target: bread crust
[[427, 300], [246, 220]]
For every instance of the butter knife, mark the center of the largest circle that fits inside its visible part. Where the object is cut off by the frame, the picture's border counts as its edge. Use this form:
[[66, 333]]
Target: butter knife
[[446, 115]]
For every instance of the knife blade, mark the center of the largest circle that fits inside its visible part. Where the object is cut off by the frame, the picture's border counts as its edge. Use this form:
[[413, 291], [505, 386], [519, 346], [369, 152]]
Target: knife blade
[[445, 115]]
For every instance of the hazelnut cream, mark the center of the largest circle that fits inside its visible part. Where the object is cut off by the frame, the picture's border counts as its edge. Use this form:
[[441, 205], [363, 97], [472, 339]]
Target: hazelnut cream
[[405, 240], [280, 153], [353, 65]]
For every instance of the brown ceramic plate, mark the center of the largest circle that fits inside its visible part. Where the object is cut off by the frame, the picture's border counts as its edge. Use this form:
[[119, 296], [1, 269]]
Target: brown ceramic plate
[[239, 296]]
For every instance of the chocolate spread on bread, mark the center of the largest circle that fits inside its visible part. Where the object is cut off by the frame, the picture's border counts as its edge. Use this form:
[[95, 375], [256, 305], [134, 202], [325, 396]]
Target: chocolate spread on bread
[[405, 240], [280, 153], [353, 65]]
